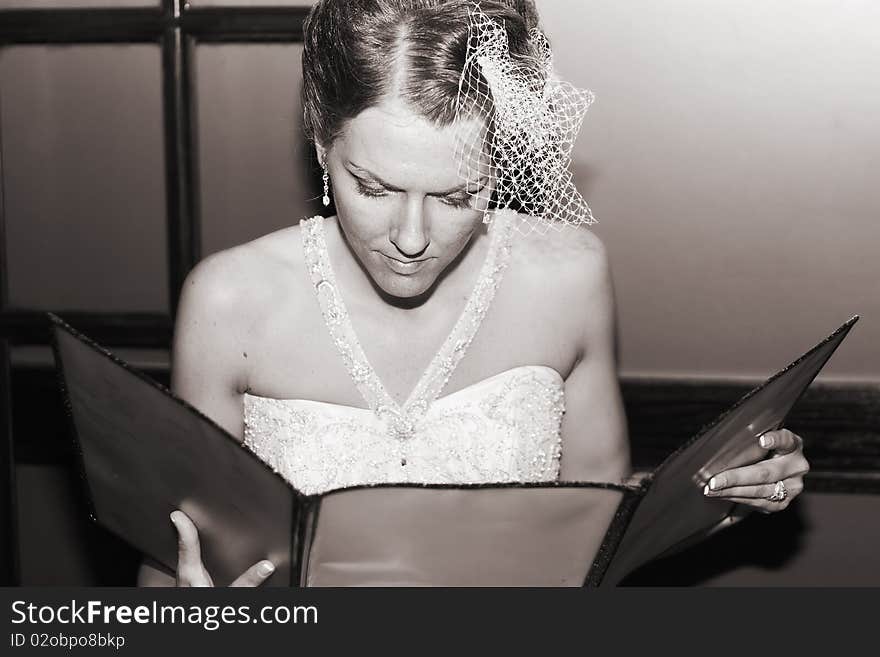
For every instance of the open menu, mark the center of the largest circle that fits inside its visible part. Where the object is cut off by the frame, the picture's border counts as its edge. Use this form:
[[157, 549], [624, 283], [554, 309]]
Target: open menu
[[144, 452]]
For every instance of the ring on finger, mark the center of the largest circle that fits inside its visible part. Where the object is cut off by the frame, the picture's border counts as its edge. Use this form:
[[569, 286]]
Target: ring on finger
[[780, 492]]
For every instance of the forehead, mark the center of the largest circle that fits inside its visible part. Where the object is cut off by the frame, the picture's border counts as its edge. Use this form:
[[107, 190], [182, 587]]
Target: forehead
[[405, 149]]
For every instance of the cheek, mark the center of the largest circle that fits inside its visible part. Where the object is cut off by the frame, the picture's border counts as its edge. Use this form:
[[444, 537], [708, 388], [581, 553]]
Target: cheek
[[451, 230], [364, 220]]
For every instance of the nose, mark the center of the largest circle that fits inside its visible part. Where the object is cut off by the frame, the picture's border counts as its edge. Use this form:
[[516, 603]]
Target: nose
[[409, 232]]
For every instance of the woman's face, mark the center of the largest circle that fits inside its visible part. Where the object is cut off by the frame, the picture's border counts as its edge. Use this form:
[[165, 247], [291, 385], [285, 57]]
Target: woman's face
[[405, 209]]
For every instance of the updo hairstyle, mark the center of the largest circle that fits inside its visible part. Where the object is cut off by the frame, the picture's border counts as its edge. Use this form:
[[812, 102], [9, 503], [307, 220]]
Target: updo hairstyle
[[359, 52]]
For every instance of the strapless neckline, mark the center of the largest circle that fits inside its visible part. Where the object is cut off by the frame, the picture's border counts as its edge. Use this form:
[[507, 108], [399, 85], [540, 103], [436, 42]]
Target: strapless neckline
[[439, 401], [506, 427]]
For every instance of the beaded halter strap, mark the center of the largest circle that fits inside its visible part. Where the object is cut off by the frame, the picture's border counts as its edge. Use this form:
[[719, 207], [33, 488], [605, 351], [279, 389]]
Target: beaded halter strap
[[403, 420]]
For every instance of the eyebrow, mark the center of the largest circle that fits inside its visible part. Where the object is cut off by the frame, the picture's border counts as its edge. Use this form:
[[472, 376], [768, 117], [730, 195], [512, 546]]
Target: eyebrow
[[461, 188]]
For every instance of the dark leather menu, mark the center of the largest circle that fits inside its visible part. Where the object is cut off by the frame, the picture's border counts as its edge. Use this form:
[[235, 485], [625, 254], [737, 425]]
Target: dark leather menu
[[144, 452], [674, 511]]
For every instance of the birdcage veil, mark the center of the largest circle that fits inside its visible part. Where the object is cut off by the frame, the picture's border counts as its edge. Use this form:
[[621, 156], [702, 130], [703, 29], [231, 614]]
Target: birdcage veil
[[531, 121]]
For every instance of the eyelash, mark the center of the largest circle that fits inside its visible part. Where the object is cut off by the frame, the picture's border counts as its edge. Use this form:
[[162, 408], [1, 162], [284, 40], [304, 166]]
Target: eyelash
[[461, 203], [369, 192], [457, 202]]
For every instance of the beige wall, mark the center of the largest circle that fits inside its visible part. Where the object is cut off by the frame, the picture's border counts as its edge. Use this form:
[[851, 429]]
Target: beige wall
[[732, 158]]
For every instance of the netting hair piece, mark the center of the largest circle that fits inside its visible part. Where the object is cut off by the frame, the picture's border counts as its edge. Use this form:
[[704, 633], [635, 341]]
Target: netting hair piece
[[532, 119]]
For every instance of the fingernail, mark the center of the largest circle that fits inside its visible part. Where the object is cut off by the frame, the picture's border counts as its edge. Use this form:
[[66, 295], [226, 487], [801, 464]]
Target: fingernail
[[266, 568], [173, 517], [766, 441], [714, 484]]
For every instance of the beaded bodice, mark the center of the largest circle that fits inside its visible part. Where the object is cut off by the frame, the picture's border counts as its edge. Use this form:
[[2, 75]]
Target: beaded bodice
[[503, 428]]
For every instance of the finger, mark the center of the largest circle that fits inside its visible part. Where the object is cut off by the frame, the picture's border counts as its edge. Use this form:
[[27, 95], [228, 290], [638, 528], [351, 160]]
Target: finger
[[788, 465], [255, 575], [793, 487], [781, 441], [189, 552], [752, 492], [763, 472]]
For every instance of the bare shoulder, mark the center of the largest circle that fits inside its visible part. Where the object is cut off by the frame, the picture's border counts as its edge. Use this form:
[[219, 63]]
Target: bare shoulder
[[224, 301], [230, 283], [570, 267], [575, 253]]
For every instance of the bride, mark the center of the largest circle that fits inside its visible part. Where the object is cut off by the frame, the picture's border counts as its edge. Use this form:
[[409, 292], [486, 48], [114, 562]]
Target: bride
[[429, 331]]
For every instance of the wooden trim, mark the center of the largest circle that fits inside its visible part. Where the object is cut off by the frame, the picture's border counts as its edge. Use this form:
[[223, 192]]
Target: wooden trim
[[4, 276], [183, 247], [245, 25], [839, 423], [9, 568], [22, 26], [31, 327], [843, 482], [138, 25]]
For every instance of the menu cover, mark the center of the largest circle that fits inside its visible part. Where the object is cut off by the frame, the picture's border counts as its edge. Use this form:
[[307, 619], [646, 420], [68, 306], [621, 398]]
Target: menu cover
[[144, 452]]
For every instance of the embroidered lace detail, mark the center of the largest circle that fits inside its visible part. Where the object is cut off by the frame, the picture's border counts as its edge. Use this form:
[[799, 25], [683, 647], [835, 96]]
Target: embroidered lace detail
[[504, 428]]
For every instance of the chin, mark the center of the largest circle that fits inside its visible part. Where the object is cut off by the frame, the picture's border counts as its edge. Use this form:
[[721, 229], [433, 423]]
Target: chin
[[404, 287]]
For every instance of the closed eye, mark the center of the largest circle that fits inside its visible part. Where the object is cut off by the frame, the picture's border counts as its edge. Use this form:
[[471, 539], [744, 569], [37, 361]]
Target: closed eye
[[462, 202], [369, 190], [464, 199]]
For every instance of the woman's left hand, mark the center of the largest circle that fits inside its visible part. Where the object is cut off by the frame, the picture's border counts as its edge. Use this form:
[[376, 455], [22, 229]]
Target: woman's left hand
[[757, 485]]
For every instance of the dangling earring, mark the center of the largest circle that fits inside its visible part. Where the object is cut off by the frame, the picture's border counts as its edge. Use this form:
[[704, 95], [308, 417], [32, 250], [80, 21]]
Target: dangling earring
[[326, 178], [487, 217]]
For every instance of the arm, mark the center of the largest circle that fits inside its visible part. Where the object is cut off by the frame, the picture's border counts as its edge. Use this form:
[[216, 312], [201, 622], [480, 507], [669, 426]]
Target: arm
[[208, 367], [595, 446], [205, 370]]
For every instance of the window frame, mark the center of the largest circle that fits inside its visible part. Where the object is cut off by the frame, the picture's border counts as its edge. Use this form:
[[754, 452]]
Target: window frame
[[176, 27]]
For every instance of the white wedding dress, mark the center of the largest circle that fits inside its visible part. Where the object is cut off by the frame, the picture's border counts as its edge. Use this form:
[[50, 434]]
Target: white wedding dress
[[501, 429]]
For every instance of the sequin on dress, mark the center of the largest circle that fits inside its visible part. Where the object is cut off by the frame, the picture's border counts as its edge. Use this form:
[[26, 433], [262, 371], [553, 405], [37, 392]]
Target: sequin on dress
[[504, 428]]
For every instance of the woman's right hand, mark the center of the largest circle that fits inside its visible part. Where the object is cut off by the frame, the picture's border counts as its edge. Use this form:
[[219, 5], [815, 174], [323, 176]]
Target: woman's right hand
[[190, 569]]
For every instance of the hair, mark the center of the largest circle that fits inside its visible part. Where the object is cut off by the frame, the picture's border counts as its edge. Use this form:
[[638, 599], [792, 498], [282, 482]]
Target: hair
[[359, 52]]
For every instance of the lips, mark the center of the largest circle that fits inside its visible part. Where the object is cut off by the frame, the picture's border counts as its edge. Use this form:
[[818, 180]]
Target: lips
[[401, 267]]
